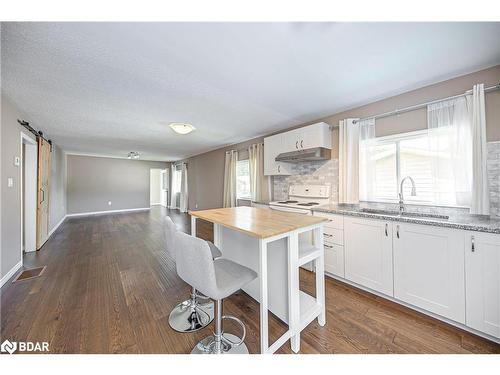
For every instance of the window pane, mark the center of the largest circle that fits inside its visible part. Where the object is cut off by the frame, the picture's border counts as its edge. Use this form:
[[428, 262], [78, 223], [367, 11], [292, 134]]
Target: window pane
[[378, 178], [242, 179], [415, 161]]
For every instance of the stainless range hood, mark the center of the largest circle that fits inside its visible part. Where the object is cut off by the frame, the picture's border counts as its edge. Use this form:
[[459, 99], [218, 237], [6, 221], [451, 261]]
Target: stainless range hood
[[310, 154]]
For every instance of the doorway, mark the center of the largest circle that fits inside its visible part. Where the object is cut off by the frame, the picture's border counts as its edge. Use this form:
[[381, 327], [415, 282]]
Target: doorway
[[28, 193], [158, 187]]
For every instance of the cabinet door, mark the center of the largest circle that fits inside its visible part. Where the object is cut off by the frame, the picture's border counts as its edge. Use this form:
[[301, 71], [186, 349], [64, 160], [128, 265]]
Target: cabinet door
[[429, 269], [273, 146], [482, 272], [368, 253], [316, 135], [334, 259]]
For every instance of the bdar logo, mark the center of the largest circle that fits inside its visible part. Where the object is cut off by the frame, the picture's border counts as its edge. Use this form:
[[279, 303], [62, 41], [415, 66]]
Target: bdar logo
[[8, 347]]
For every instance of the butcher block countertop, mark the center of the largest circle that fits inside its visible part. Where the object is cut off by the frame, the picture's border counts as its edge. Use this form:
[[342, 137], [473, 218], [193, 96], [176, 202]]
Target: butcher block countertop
[[257, 222]]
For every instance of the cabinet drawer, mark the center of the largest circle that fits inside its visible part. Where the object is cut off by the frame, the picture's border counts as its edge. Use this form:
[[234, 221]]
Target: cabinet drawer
[[334, 221], [332, 235], [334, 259]]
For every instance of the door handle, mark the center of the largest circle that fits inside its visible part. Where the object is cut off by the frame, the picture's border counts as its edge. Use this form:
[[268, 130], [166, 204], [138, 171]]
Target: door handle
[[386, 234], [43, 196], [473, 244], [301, 143], [397, 230]]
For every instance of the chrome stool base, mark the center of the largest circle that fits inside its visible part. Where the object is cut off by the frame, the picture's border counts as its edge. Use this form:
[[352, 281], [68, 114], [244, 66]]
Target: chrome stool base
[[188, 317], [207, 346]]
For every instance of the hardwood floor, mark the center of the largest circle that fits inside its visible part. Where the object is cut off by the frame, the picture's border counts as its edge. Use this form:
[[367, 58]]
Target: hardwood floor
[[109, 287]]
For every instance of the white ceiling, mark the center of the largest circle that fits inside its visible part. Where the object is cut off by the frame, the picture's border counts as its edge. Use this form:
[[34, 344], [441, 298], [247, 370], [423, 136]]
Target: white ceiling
[[111, 88]]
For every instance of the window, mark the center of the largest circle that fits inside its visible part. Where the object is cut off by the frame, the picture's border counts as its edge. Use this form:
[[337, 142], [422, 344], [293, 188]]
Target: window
[[243, 179], [384, 161]]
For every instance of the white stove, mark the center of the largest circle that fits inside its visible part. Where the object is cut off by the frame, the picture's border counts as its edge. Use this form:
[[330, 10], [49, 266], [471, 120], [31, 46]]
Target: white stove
[[302, 198]]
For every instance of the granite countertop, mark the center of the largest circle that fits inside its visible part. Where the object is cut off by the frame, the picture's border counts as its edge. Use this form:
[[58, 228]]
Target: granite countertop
[[479, 223], [261, 202]]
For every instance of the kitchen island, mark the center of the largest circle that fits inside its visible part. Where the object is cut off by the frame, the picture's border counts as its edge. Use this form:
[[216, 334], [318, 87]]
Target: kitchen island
[[268, 242]]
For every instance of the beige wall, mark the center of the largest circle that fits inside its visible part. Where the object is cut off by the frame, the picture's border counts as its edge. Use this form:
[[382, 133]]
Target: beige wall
[[206, 171], [93, 181]]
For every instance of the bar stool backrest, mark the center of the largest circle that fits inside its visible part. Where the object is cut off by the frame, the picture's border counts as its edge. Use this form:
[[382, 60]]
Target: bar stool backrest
[[195, 264], [170, 232]]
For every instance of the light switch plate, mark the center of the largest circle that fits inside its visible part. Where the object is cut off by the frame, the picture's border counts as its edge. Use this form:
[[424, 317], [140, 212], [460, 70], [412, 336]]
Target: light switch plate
[[17, 161], [10, 182]]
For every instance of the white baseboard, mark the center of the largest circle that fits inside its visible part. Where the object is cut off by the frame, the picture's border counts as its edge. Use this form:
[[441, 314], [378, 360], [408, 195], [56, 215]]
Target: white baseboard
[[155, 204], [108, 212], [57, 226], [9, 274]]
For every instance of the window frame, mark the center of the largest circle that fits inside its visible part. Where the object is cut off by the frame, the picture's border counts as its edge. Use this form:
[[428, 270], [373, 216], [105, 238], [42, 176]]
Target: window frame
[[396, 139]]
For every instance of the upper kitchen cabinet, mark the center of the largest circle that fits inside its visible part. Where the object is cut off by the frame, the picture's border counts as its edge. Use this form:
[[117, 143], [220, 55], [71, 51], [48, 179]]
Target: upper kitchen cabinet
[[313, 137], [429, 269], [273, 146], [482, 282]]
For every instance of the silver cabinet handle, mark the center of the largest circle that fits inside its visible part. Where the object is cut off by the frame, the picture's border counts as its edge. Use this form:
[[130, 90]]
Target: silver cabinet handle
[[328, 246], [297, 144], [473, 244], [279, 168], [397, 230], [301, 143], [328, 235], [386, 225]]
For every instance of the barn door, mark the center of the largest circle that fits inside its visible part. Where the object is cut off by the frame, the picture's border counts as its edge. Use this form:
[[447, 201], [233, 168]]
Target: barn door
[[43, 185]]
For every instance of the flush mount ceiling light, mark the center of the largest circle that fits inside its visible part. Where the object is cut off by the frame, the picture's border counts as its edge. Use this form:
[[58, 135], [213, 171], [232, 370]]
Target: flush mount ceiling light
[[133, 155], [181, 128]]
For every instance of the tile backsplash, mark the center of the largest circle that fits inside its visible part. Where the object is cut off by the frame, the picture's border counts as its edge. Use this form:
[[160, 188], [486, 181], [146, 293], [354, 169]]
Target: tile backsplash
[[309, 173], [327, 173]]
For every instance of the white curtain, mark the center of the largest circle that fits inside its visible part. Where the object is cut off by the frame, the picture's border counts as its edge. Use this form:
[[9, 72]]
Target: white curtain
[[480, 202], [348, 161], [350, 136], [183, 202], [173, 190], [450, 151], [367, 160], [229, 198], [259, 184]]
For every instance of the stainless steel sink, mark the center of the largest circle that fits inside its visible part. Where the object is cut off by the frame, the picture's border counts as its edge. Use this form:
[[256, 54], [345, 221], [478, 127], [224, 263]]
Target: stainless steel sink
[[404, 214]]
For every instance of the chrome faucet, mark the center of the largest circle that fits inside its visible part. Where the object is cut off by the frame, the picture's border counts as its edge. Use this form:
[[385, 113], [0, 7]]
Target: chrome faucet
[[413, 193]]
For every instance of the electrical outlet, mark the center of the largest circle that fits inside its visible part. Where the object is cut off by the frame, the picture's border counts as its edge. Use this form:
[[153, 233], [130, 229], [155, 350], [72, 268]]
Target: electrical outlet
[[109, 203], [17, 161]]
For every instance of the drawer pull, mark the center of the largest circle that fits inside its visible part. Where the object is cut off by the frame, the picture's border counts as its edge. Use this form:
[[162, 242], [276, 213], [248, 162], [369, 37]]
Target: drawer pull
[[473, 245], [328, 246], [386, 230], [397, 230], [328, 235]]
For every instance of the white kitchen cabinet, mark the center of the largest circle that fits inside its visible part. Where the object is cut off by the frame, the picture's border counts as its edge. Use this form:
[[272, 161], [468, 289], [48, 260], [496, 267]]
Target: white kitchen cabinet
[[482, 275], [334, 259], [368, 253], [273, 146], [312, 136], [429, 269]]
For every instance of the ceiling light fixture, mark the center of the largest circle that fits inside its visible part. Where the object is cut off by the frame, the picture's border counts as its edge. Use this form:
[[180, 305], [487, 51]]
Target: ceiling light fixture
[[133, 155], [181, 128]]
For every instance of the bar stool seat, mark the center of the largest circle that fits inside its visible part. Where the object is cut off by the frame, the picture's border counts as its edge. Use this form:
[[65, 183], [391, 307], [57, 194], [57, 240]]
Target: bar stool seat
[[230, 277], [216, 253]]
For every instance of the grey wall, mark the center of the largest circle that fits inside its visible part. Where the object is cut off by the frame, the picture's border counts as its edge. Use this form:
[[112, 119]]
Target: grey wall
[[206, 171], [11, 197], [57, 197], [93, 181]]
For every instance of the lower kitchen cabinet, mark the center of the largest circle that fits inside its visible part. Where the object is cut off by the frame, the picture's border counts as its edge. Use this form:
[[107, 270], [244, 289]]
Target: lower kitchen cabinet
[[368, 253], [334, 259], [482, 274], [429, 269]]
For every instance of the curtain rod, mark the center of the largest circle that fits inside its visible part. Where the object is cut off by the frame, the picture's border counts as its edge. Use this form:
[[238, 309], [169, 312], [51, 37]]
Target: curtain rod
[[421, 105]]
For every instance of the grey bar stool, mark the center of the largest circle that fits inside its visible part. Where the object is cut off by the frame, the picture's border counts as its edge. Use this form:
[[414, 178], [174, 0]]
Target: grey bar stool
[[196, 312], [217, 279]]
